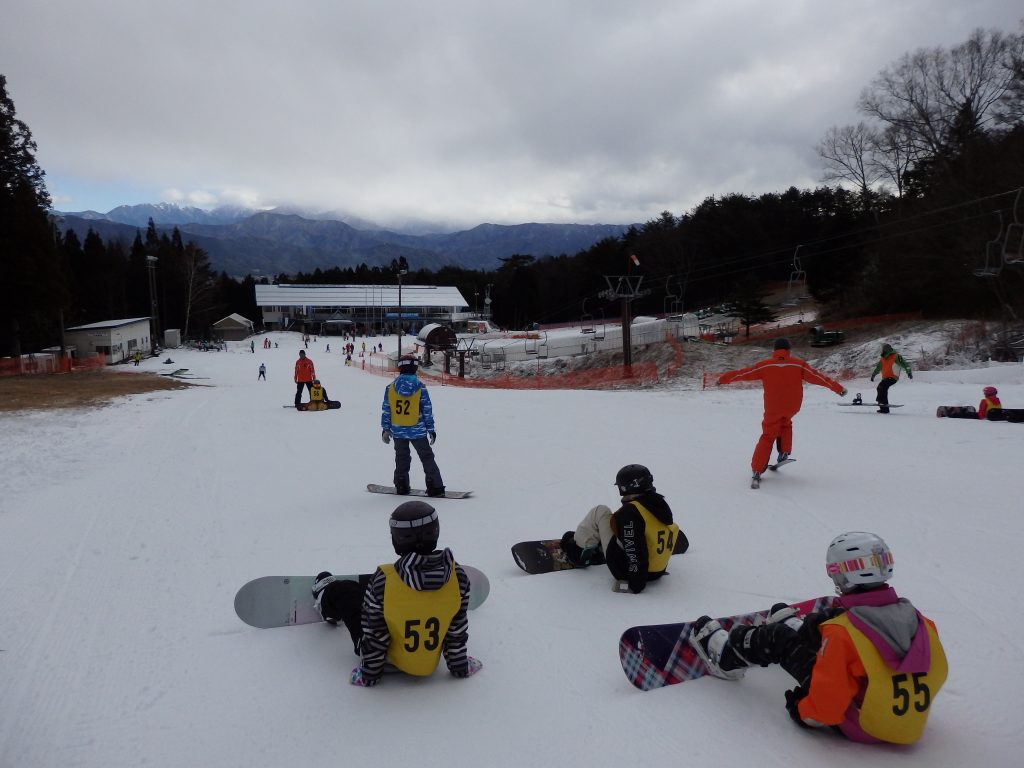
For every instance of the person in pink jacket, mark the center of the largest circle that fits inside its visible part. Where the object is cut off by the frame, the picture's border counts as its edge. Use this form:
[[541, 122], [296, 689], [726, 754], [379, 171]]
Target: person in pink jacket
[[990, 402]]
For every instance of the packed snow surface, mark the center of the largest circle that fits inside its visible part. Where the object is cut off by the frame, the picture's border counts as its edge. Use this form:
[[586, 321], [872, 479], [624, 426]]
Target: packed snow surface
[[126, 530]]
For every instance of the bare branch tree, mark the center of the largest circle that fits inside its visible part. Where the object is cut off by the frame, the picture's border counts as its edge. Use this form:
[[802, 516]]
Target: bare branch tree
[[891, 158], [846, 152], [933, 95]]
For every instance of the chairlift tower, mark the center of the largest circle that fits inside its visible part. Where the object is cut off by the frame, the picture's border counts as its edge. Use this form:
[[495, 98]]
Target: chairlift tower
[[625, 288]]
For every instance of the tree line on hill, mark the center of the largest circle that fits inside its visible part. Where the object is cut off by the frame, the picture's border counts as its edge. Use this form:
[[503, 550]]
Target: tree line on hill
[[916, 214]]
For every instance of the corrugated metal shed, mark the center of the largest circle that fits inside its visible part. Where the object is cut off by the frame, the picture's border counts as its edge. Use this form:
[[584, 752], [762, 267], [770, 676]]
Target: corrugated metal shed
[[358, 296]]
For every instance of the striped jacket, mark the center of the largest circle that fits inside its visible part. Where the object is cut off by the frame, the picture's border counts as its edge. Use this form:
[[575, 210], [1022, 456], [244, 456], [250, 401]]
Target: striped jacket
[[421, 572]]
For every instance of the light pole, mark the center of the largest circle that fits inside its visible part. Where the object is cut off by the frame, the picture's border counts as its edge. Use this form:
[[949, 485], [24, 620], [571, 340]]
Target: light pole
[[154, 320], [400, 330]]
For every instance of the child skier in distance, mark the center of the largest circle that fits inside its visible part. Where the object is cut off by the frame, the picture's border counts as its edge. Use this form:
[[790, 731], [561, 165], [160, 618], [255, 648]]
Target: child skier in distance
[[870, 667], [888, 365], [989, 402], [407, 417], [636, 541], [408, 613]]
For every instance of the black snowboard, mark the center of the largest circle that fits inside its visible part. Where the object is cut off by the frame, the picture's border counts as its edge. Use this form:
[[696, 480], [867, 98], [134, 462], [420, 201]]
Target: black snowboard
[[547, 555], [956, 412], [1014, 415], [328, 405]]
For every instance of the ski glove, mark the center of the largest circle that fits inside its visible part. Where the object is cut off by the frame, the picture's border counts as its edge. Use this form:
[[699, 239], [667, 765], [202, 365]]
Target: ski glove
[[793, 699], [472, 667], [843, 393], [359, 680], [385, 436], [872, 379], [432, 436]]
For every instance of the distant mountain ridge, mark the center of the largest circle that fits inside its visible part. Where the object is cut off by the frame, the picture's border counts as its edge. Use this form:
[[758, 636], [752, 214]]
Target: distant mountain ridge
[[243, 241]]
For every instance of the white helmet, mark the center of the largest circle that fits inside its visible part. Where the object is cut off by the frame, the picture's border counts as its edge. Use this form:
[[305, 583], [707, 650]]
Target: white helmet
[[858, 559]]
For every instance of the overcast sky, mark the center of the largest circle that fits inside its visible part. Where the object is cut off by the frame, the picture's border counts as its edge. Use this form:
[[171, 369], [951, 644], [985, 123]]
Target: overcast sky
[[456, 111]]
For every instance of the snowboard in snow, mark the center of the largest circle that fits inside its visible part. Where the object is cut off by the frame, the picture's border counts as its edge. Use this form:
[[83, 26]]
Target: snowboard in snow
[[956, 412], [870, 405], [281, 601], [784, 462], [374, 488], [1014, 415], [657, 655], [329, 405], [547, 555]]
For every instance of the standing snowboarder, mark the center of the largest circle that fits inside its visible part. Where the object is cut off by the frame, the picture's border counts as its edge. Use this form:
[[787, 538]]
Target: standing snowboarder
[[782, 377], [263, 372], [410, 612], [305, 372], [870, 667], [407, 416], [888, 365], [636, 541]]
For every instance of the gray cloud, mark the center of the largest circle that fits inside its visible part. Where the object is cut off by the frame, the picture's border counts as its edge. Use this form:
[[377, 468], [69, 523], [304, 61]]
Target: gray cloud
[[460, 111]]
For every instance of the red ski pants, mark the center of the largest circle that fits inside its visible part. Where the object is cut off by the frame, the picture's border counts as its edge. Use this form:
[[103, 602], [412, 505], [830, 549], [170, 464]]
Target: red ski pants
[[775, 430]]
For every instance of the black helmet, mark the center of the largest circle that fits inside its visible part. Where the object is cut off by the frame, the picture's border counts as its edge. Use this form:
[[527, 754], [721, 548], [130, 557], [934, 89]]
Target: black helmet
[[782, 343], [408, 364], [317, 382], [634, 478], [414, 528]]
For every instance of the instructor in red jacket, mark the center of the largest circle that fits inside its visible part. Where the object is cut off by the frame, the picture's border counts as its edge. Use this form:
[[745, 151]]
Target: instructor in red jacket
[[782, 377], [305, 372]]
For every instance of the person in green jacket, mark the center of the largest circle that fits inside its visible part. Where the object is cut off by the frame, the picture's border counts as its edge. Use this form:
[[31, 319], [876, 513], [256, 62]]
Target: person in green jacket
[[888, 365]]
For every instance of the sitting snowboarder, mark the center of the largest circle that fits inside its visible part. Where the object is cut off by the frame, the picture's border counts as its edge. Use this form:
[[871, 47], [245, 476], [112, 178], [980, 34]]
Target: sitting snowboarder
[[636, 541], [870, 667], [410, 612], [990, 404]]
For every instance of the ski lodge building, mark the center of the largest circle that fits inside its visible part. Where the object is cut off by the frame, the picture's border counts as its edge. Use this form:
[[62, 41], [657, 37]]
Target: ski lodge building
[[361, 309], [116, 339]]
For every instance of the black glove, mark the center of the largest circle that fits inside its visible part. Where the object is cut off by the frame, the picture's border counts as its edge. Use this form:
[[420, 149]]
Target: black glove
[[385, 436], [432, 436], [872, 378], [793, 699]]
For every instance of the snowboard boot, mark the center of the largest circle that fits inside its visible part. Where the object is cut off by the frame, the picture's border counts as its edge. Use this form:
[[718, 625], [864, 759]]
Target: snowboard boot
[[783, 455], [755, 480], [319, 587], [711, 642], [401, 489], [435, 491], [781, 613], [573, 551]]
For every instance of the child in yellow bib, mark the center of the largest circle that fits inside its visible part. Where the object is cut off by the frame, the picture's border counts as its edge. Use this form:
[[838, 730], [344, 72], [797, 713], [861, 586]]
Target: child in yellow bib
[[411, 612], [870, 667]]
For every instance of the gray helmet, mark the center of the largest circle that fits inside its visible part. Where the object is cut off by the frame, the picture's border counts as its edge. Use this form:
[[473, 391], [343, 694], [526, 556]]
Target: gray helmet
[[408, 364], [414, 528], [858, 560]]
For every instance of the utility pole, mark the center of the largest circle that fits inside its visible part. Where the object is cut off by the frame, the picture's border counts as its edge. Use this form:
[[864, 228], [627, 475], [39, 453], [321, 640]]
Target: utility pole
[[154, 319], [402, 270], [626, 288]]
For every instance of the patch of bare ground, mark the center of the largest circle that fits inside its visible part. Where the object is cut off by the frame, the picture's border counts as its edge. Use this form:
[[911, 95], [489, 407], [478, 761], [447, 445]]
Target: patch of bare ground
[[78, 390]]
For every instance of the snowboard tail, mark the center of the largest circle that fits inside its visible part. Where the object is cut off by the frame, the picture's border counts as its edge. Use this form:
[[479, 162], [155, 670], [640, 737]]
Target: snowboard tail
[[657, 655], [956, 412], [283, 601], [374, 488], [546, 555]]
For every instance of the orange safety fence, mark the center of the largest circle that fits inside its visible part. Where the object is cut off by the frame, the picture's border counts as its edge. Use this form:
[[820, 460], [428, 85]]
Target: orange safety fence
[[29, 365]]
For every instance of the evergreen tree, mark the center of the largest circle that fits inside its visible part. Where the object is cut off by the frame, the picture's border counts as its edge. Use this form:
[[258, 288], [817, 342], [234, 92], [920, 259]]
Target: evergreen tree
[[32, 289]]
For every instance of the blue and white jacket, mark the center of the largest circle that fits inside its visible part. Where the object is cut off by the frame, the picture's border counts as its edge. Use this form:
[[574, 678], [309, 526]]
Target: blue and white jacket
[[406, 384]]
